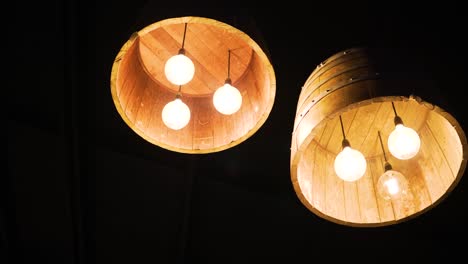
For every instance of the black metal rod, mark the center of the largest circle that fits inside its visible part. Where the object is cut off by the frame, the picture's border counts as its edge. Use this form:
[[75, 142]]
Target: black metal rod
[[179, 94], [394, 110], [229, 64], [381, 144], [183, 38], [342, 129]]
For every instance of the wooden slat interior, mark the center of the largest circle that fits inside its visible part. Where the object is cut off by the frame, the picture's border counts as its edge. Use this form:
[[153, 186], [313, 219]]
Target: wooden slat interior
[[347, 85], [206, 45], [142, 90], [430, 173]]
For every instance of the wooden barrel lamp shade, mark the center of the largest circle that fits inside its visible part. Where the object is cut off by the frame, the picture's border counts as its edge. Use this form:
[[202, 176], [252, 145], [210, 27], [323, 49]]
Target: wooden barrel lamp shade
[[348, 86], [140, 88]]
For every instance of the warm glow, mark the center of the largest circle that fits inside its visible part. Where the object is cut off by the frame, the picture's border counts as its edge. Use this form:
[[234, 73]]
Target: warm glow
[[176, 114], [179, 69], [392, 185], [350, 164], [227, 99], [403, 142]]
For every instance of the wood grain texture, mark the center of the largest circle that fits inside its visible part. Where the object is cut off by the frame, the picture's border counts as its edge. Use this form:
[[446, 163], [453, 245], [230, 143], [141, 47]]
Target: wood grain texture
[[140, 89], [330, 92], [207, 46]]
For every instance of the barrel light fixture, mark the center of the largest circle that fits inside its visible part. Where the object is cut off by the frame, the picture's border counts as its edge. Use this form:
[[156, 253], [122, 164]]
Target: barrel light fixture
[[146, 77], [364, 87]]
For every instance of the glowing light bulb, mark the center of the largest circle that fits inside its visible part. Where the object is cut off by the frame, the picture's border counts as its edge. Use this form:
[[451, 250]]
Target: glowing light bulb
[[227, 99], [392, 185], [403, 142], [350, 164], [176, 114], [179, 69]]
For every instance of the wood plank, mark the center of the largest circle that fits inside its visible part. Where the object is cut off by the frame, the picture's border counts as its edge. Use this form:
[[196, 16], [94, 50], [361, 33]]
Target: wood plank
[[249, 114], [208, 47], [343, 79], [153, 59], [367, 199], [447, 140], [331, 128], [334, 203], [217, 42], [203, 124], [437, 156], [434, 183], [415, 116], [335, 142], [135, 97], [413, 172], [329, 104], [305, 173], [221, 132], [351, 202], [210, 65], [349, 64], [155, 128], [312, 118], [129, 81], [245, 118], [237, 125], [311, 83], [405, 205], [124, 69], [376, 167], [253, 101], [360, 131], [370, 147], [318, 180], [256, 85], [145, 107], [162, 45]]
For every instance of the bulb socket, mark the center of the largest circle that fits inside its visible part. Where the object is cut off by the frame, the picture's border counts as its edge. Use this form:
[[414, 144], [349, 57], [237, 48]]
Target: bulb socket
[[182, 51], [398, 120], [228, 81], [387, 166], [345, 143]]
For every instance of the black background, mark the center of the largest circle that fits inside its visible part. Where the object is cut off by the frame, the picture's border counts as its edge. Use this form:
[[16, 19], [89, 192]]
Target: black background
[[82, 187]]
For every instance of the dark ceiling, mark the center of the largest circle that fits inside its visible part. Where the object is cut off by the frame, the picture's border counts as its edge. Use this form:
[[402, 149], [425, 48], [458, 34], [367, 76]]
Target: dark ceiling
[[82, 187]]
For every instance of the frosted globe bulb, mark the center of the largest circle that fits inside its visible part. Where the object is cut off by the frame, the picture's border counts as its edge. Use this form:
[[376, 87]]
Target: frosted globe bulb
[[403, 142], [392, 185], [227, 99], [176, 114], [350, 164], [179, 69]]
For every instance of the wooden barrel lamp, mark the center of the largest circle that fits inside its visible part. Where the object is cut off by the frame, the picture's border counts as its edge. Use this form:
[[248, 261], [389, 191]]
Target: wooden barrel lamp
[[347, 97], [140, 88]]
